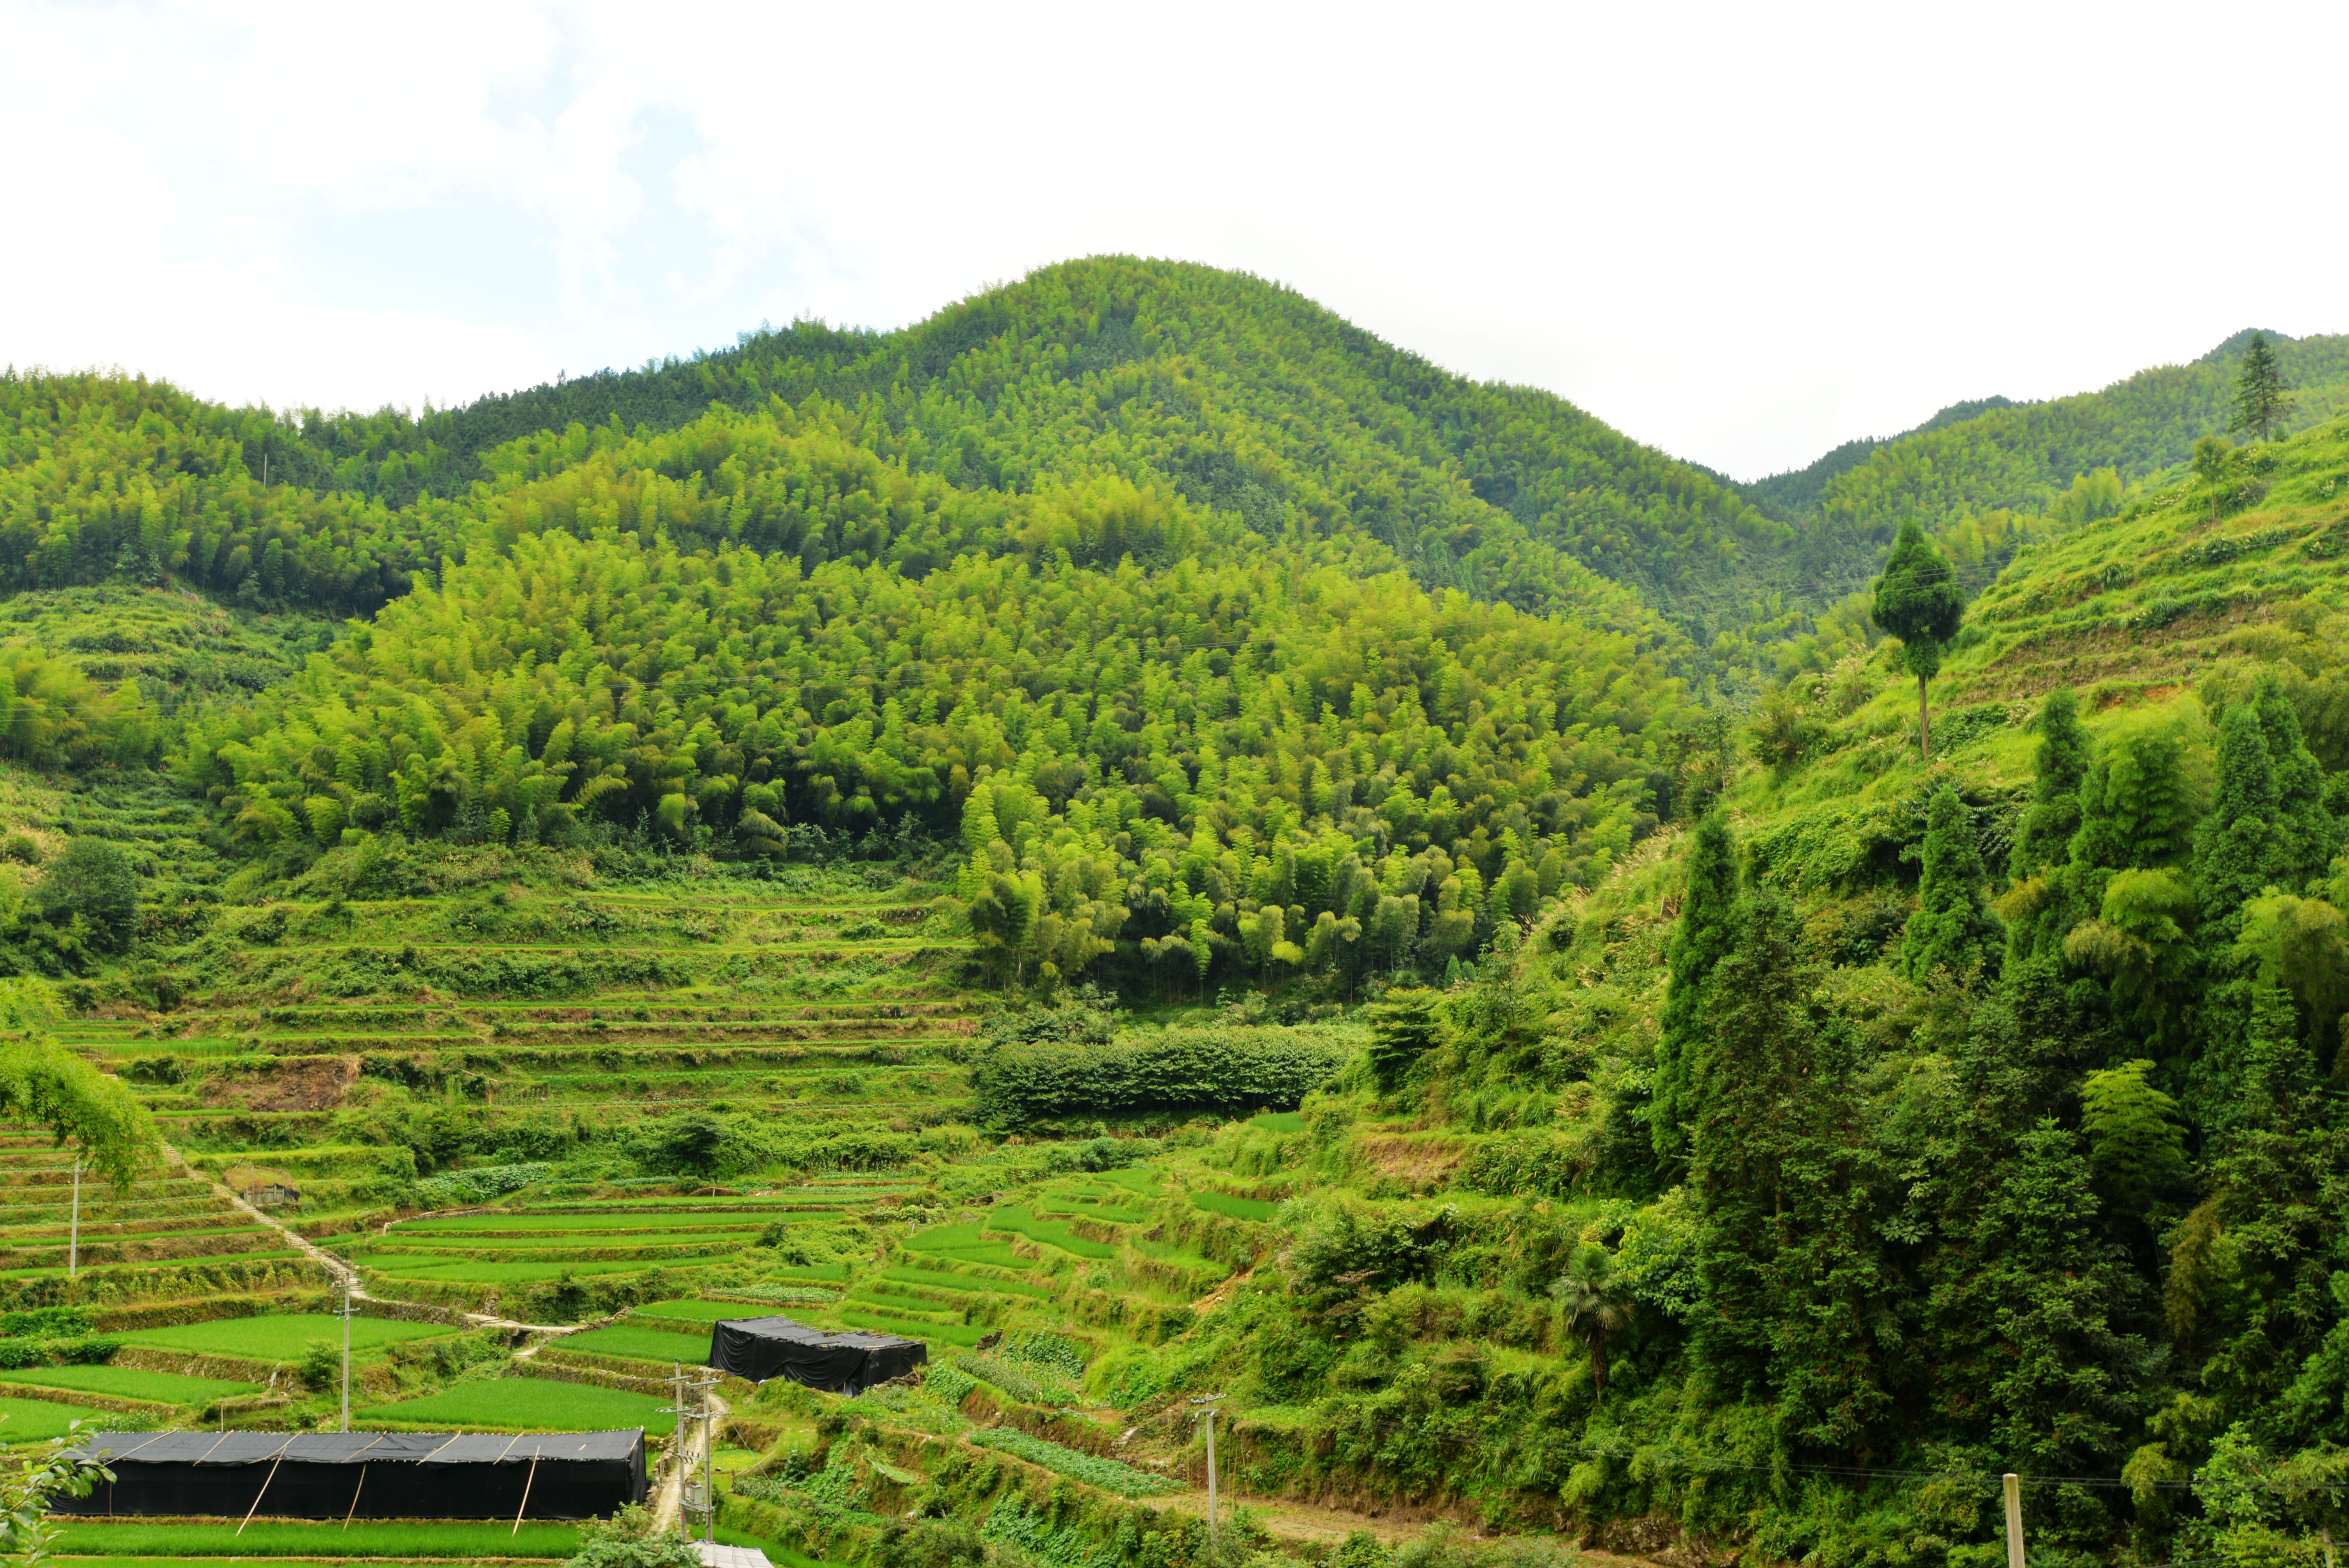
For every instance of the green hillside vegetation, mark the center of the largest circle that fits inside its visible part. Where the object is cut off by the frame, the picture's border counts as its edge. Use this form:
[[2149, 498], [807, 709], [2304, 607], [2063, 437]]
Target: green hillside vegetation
[[1986, 477], [1142, 837]]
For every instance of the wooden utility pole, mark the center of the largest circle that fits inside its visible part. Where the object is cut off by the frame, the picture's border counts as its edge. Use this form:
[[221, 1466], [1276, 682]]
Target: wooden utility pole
[[2014, 1520]]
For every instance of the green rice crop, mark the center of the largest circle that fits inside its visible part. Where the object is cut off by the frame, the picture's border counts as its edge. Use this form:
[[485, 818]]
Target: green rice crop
[[37, 1420], [947, 1238], [939, 1279], [279, 1338], [995, 1254], [696, 1311], [491, 1244], [1235, 1207], [646, 1344], [530, 1405], [1134, 1179], [130, 1383], [1020, 1220], [365, 1538], [881, 1298], [431, 1265], [1280, 1121], [890, 1323], [1090, 1468], [546, 1225]]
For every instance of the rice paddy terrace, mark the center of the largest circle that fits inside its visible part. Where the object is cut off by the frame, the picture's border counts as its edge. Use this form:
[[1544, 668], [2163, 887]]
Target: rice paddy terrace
[[639, 1109]]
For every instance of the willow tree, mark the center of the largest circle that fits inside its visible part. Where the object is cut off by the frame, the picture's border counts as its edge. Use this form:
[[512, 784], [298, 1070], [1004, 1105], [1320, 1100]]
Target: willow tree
[[1918, 601]]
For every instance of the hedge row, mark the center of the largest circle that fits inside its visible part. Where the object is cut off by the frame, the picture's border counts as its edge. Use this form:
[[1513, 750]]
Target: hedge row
[[1211, 1069]]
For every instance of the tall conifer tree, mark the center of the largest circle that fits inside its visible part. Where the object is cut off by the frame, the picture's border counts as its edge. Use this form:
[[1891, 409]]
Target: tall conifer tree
[[2263, 400], [1698, 945], [2060, 769], [1953, 928], [2240, 846]]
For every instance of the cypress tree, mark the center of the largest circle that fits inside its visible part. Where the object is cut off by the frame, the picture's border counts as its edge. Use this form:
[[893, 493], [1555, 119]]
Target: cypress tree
[[1953, 927], [1698, 945], [2240, 847], [2263, 399], [1918, 601], [2311, 836], [2059, 770]]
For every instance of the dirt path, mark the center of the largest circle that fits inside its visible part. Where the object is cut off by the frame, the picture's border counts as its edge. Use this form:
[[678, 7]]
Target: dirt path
[[1310, 1524]]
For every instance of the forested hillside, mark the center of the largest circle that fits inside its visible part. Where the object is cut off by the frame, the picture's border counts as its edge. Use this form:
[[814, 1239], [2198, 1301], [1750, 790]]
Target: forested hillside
[[1170, 848], [1975, 468], [1209, 389]]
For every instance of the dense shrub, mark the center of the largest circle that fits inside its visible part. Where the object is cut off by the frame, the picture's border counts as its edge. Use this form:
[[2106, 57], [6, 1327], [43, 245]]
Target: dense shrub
[[1168, 1070]]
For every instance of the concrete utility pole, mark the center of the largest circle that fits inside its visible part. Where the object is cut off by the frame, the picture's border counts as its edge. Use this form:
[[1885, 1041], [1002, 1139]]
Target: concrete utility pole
[[73, 1233], [346, 1315], [1205, 1404], [694, 1498], [2014, 1485]]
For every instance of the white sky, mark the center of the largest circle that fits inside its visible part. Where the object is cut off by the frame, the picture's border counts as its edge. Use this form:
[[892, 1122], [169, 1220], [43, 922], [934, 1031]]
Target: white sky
[[1743, 233]]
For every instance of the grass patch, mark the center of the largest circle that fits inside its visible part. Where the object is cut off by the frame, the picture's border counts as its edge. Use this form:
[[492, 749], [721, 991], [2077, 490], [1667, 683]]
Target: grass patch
[[530, 1405], [695, 1311], [279, 1338], [646, 1344], [1238, 1208], [429, 1266], [38, 1420], [972, 1284], [130, 1383], [1020, 1220], [951, 1334], [285, 1538]]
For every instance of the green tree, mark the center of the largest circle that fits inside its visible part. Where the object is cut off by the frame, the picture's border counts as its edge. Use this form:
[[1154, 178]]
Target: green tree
[[1595, 1307], [2139, 805], [2214, 459], [60, 1465], [94, 879], [2311, 833], [1708, 907], [2066, 1383], [1918, 601], [2240, 846], [2059, 768], [2252, 1271], [2137, 1145], [1404, 1028], [1953, 928], [43, 1083], [2263, 400]]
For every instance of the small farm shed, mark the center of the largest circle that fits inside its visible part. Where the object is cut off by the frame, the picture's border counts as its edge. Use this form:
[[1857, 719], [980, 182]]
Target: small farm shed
[[757, 1348], [366, 1475]]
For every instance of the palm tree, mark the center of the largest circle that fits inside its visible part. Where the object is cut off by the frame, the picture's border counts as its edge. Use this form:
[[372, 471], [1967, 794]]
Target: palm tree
[[1596, 1307]]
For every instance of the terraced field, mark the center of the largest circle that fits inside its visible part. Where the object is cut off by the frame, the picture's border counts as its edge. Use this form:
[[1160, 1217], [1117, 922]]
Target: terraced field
[[647, 1107], [170, 1235]]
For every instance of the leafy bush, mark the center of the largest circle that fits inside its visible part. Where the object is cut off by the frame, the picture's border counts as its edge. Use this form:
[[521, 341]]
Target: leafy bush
[[94, 879], [480, 1186], [1168, 1070]]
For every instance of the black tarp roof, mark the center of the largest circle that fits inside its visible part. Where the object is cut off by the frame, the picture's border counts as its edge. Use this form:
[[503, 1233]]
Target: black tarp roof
[[363, 1447], [375, 1475], [758, 1348]]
